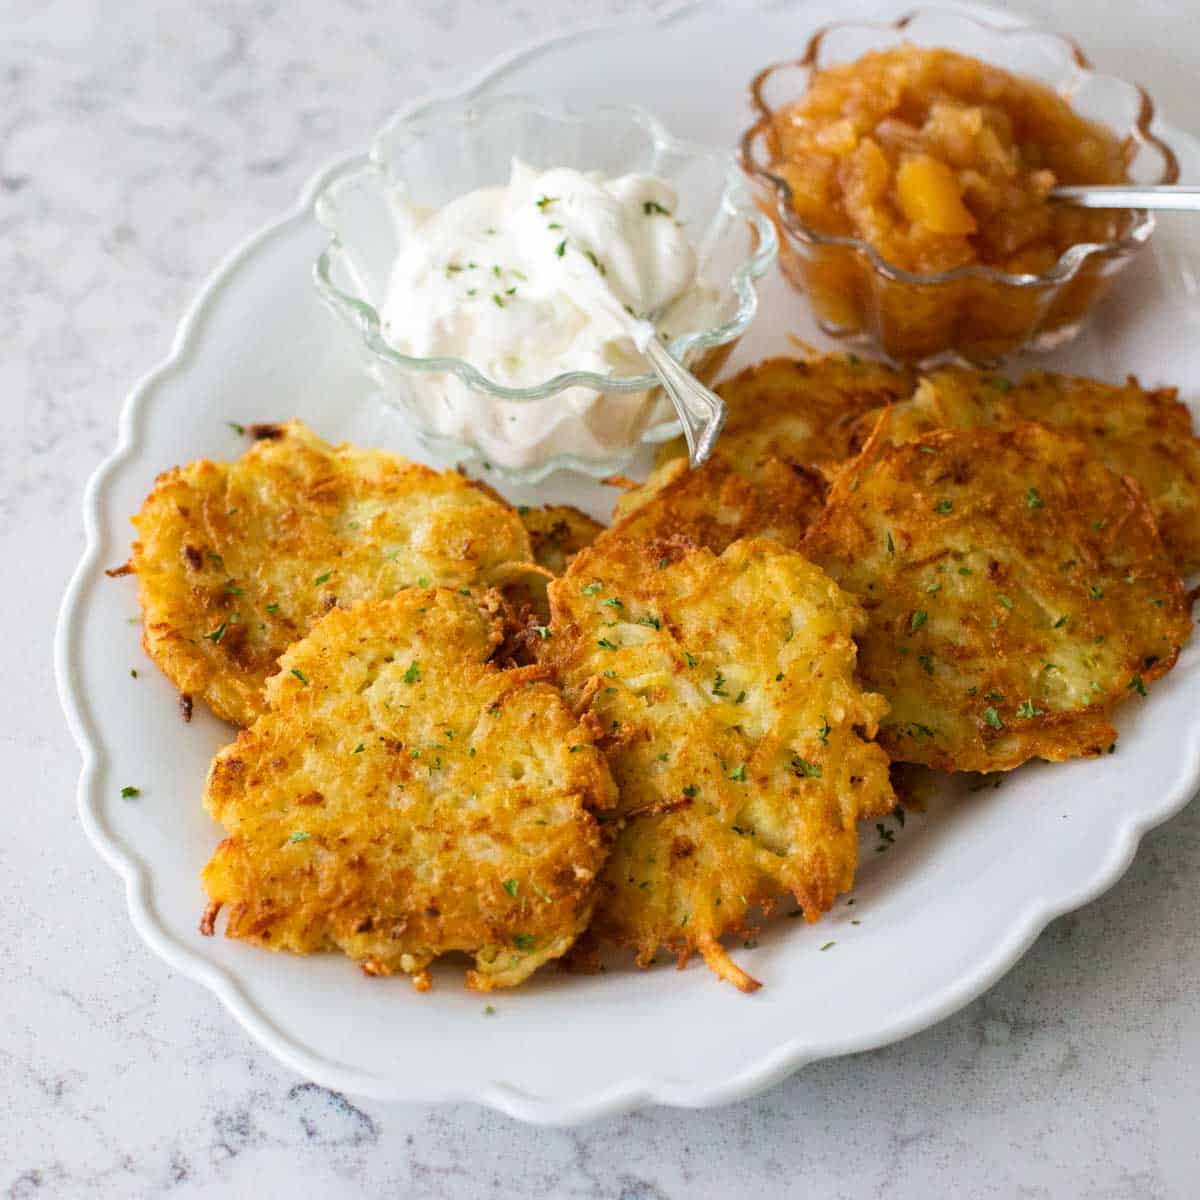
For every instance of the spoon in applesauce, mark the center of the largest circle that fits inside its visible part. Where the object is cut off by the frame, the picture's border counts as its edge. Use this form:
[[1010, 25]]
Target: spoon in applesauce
[[1165, 197]]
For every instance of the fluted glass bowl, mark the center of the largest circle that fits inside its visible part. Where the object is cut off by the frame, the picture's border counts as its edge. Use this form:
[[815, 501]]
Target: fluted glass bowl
[[974, 312], [577, 419]]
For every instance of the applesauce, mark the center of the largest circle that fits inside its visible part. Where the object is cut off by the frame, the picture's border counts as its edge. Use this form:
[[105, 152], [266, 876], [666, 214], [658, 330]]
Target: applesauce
[[938, 161]]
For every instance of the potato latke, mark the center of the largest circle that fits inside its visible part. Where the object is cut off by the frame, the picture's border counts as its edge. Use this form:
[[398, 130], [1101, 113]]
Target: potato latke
[[237, 560], [722, 691], [403, 798]]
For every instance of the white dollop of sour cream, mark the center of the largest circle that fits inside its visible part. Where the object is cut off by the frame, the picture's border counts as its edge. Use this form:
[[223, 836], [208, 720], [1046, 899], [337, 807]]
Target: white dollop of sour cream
[[559, 270]]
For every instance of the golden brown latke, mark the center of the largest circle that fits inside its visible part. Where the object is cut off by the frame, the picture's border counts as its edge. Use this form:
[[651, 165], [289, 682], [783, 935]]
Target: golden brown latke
[[1017, 592], [403, 798], [1133, 431], [237, 560], [715, 504], [800, 410], [722, 691]]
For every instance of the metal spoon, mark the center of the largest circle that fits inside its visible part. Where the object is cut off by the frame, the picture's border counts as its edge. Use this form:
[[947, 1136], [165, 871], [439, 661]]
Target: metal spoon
[[1122, 195], [701, 412]]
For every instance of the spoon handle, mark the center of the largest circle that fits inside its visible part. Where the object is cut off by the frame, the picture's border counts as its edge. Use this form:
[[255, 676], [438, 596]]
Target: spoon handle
[[701, 412], [1162, 196]]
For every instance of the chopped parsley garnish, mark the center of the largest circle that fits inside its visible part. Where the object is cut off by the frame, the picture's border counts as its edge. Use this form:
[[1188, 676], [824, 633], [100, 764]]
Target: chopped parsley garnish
[[1028, 709], [739, 776], [690, 659], [992, 717], [497, 301], [1033, 499], [612, 602], [133, 672], [741, 698], [918, 619], [543, 631], [591, 257], [359, 748], [823, 732], [691, 791], [650, 207], [511, 886], [926, 661], [544, 202], [718, 688], [237, 427], [413, 674], [217, 634], [489, 1010], [653, 622], [809, 770], [943, 507], [1137, 685], [1059, 623], [272, 609], [605, 644], [524, 941], [590, 589], [1005, 601], [129, 791], [300, 676], [561, 248], [1096, 591], [320, 579], [829, 945], [299, 836], [891, 545]]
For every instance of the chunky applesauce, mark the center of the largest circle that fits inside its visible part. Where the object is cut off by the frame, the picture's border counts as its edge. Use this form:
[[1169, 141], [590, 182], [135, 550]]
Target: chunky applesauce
[[937, 161]]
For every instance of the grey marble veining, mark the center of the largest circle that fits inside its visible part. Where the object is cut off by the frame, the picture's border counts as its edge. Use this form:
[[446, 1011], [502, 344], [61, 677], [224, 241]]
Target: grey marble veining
[[138, 142]]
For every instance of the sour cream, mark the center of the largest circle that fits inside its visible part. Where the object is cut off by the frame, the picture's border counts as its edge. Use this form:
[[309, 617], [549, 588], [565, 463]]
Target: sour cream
[[559, 270]]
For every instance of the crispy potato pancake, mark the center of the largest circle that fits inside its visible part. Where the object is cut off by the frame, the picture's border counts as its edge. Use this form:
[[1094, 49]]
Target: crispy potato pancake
[[800, 410], [237, 560], [722, 690], [1134, 431], [789, 422], [1017, 592], [716, 505], [403, 798]]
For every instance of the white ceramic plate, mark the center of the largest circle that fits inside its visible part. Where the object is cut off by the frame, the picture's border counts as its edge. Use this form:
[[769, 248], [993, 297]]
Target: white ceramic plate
[[944, 912]]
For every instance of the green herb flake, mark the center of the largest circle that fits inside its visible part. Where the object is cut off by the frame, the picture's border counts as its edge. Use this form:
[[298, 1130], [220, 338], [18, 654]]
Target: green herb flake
[[128, 792], [605, 644], [511, 886], [829, 945], [612, 602], [300, 676], [497, 301], [992, 717], [891, 545], [652, 208], [320, 579], [739, 776], [943, 507], [1029, 710], [691, 791], [544, 202], [1005, 601], [590, 589], [1033, 499], [802, 766], [359, 748], [299, 836], [1059, 623], [237, 427], [918, 619], [217, 634], [524, 941], [561, 248], [1136, 684], [413, 674]]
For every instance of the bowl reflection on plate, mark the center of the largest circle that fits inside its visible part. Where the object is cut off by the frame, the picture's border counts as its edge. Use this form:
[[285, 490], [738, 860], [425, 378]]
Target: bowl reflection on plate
[[577, 419]]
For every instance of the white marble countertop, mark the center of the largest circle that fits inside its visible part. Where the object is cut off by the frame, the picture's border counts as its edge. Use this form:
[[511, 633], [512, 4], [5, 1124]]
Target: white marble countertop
[[137, 144]]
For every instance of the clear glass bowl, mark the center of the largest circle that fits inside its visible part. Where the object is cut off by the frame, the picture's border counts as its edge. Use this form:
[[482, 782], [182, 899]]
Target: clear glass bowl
[[974, 312], [577, 419]]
